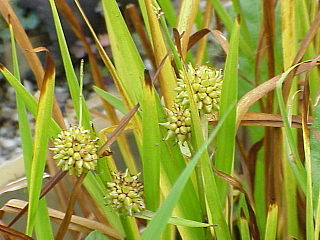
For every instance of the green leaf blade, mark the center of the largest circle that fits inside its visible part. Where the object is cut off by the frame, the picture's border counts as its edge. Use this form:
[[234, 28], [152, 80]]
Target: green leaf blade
[[113, 100], [224, 158], [41, 138], [43, 225], [128, 63], [150, 147], [72, 80], [148, 215], [272, 223], [95, 235]]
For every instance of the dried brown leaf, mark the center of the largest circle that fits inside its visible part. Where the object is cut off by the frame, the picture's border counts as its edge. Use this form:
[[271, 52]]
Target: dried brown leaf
[[249, 200], [269, 30], [196, 37], [18, 184], [156, 75], [78, 223], [252, 160], [268, 120], [257, 93], [47, 187], [221, 39], [308, 39], [177, 39], [14, 233]]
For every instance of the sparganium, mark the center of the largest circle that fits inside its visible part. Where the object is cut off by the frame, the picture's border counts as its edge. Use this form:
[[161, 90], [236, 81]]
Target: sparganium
[[76, 151], [179, 123], [206, 85], [125, 193]]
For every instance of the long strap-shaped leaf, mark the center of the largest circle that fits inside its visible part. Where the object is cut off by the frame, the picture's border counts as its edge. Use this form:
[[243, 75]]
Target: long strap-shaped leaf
[[128, 63], [73, 83], [224, 158], [272, 223], [151, 146], [43, 225], [297, 167], [41, 139], [28, 99], [167, 78]]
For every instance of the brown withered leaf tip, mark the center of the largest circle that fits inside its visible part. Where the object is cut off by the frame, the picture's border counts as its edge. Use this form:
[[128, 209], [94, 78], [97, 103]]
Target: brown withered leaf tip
[[49, 69], [106, 153], [197, 36], [147, 79]]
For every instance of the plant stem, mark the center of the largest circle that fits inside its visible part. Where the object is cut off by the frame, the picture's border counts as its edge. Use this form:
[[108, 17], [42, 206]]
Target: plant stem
[[66, 220]]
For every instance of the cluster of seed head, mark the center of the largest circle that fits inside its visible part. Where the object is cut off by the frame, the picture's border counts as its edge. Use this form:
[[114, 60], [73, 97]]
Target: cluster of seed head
[[76, 151], [206, 85], [125, 193], [179, 123]]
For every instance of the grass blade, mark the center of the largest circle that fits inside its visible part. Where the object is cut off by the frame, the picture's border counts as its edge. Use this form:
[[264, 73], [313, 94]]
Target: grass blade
[[272, 223], [41, 139], [24, 42], [188, 11], [151, 146], [73, 83], [126, 55], [172, 156], [148, 215], [43, 225], [227, 21], [95, 235], [167, 78], [113, 100], [24, 126], [295, 163], [168, 9], [224, 158], [315, 167], [28, 99], [244, 229]]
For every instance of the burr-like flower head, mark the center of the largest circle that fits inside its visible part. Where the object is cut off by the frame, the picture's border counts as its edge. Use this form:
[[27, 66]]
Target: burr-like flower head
[[125, 193], [206, 84], [76, 151], [179, 123]]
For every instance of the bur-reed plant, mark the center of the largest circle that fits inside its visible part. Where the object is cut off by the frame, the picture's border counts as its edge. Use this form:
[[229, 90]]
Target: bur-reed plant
[[225, 119]]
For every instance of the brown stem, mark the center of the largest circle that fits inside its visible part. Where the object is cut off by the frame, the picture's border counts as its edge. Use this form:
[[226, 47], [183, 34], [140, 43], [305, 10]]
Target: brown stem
[[67, 217], [49, 185]]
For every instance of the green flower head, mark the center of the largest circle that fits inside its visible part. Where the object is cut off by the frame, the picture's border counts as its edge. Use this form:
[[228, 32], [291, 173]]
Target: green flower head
[[125, 193], [179, 123], [76, 151], [206, 85]]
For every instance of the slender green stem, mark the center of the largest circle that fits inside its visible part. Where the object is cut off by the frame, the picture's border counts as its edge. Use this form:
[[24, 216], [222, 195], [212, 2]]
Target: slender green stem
[[81, 89], [317, 221], [130, 226]]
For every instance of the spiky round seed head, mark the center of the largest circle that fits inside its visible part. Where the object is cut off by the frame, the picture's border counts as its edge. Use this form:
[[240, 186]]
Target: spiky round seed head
[[76, 151], [125, 193], [206, 85], [179, 123]]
